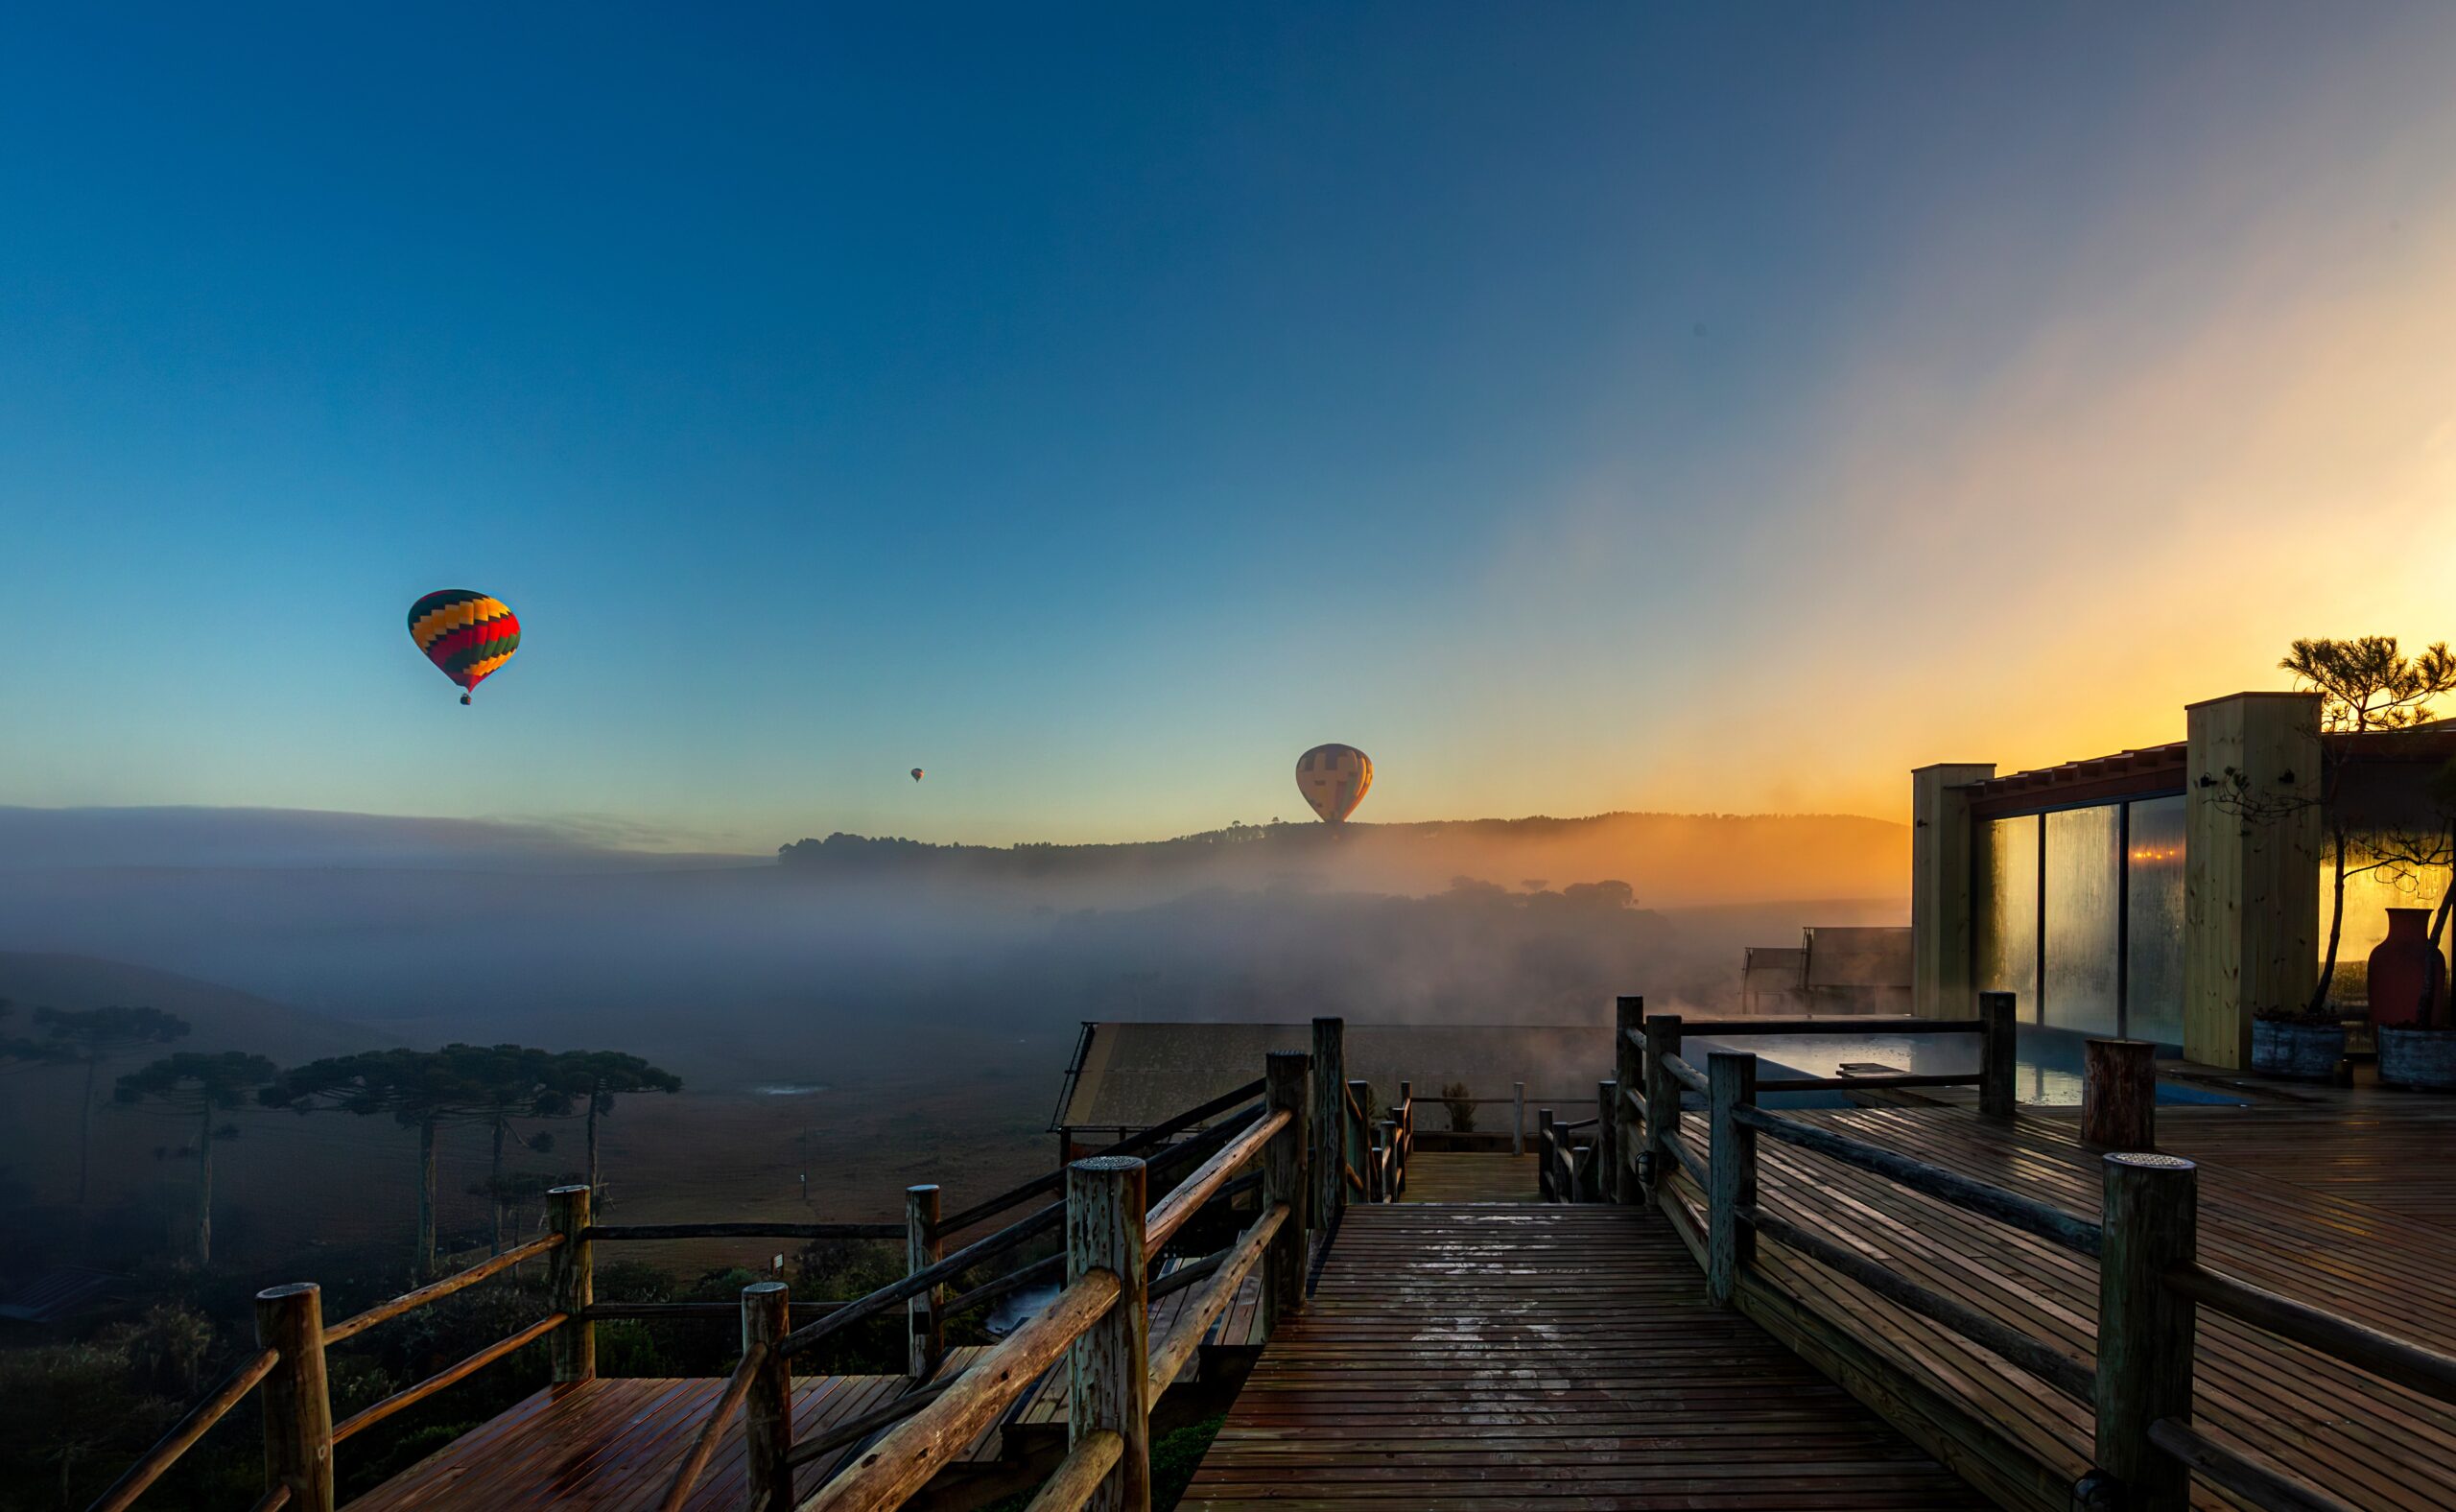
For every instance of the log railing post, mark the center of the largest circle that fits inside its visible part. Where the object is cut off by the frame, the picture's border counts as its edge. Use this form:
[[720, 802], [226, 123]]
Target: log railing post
[[1731, 1171], [1997, 1046], [1662, 1096], [2146, 1329], [768, 1411], [2119, 1095], [1518, 1118], [1284, 1181], [570, 1276], [1108, 1387], [1407, 1114], [1330, 1119], [923, 1248], [1628, 1070], [1359, 1127], [298, 1404], [1607, 1141], [1546, 1187]]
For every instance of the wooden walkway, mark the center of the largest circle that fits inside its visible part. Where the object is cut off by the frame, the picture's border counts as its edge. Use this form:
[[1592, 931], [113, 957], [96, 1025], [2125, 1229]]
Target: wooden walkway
[[1484, 1358], [2275, 1210], [612, 1444], [1454, 1176]]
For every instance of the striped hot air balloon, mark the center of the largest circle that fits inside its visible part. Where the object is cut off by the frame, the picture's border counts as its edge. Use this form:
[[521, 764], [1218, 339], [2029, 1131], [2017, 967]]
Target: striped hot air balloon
[[465, 633], [1333, 779]]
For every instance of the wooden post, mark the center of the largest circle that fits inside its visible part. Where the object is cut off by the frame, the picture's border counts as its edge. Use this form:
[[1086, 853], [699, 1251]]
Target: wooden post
[[1730, 1168], [2146, 1329], [1108, 1387], [297, 1406], [1405, 1112], [1518, 1118], [1361, 1134], [1607, 1141], [1284, 1181], [571, 1278], [2119, 1093], [1997, 1046], [922, 1249], [1330, 1121], [1662, 1096], [1628, 1070], [767, 1411], [1546, 1187]]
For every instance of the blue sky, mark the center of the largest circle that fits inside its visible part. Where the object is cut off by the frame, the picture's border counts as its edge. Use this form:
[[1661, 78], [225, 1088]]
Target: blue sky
[[1573, 406]]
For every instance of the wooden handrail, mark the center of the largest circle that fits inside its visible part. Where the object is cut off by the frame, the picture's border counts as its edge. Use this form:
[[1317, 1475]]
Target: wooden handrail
[[1085, 1466], [2010, 1208], [1353, 1179], [1185, 1335], [852, 1431], [1962, 1078], [902, 1461], [1170, 1212], [2409, 1365], [703, 1447], [1132, 1142], [2051, 1366], [650, 1311], [929, 1276], [410, 1396], [272, 1500], [1687, 1075], [167, 1450], [2229, 1471], [752, 1230], [411, 1301], [1013, 1281], [1692, 1162], [1724, 1029]]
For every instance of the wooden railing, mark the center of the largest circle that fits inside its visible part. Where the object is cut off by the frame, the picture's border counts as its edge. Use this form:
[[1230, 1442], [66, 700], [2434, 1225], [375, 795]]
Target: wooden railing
[[1394, 1139], [2150, 1285]]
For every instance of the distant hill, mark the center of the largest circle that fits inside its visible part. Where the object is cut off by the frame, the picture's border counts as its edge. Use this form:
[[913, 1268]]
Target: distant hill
[[1671, 860], [218, 1018]]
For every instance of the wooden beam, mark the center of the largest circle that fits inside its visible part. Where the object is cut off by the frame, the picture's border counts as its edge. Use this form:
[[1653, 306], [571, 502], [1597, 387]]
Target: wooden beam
[[2145, 1328], [1108, 1385], [1284, 1183], [571, 1278], [165, 1453], [298, 1404], [1330, 1153], [1082, 1474], [703, 1446], [926, 1343], [450, 1375], [768, 1411], [1182, 1203], [1731, 1173], [1628, 1070], [411, 1301]]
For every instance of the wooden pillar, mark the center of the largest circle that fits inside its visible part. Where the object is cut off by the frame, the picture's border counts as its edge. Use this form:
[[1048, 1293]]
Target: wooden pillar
[[1284, 1181], [1662, 1096], [1518, 1118], [1628, 1070], [1731, 1167], [1405, 1110], [1546, 1187], [570, 1276], [1998, 1053], [2146, 1329], [1607, 1141], [2251, 886], [767, 1411], [297, 1406], [1941, 932], [1330, 1124], [2119, 1095], [923, 1248], [1108, 1382], [1361, 1136]]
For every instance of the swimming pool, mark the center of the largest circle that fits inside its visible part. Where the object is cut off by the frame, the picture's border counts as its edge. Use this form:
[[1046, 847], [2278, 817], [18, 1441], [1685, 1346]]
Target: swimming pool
[[2046, 1063]]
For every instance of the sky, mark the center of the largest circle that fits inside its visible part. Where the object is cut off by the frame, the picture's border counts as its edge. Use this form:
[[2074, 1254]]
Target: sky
[[1577, 407]]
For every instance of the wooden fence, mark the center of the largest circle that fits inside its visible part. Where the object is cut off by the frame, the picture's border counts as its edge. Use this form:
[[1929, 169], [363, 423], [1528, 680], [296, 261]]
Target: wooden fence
[[2150, 1285]]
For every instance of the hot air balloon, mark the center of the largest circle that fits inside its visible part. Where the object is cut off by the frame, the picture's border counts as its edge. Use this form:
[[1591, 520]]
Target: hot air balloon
[[465, 633], [1333, 779], [917, 774]]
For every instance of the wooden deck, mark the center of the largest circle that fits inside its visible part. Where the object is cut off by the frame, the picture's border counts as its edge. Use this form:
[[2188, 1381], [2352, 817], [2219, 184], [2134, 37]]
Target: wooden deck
[[2343, 1202], [1475, 1356], [1453, 1176], [612, 1445]]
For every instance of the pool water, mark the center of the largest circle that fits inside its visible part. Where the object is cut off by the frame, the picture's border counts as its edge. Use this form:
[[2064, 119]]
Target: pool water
[[2046, 1063]]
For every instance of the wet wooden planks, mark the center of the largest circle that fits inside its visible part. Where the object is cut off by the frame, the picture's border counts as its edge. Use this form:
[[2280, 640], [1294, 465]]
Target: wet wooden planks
[[1435, 1175], [2272, 1211], [1488, 1357]]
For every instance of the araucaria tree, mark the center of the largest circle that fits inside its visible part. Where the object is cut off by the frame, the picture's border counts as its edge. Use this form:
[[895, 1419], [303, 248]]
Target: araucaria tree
[[89, 1037], [203, 1088], [596, 1078], [2365, 684], [425, 1090]]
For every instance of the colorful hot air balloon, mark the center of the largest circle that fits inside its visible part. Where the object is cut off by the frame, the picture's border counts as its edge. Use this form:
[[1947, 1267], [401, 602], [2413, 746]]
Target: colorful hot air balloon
[[1333, 779], [465, 633], [917, 774]]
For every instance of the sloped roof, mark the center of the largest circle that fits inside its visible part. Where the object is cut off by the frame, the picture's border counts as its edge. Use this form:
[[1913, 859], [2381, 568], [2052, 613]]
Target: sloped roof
[[1135, 1075], [57, 1295]]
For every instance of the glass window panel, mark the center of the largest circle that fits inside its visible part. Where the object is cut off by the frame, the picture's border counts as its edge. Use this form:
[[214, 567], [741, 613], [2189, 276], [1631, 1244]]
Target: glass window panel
[[2081, 919], [2006, 911], [2154, 915], [2372, 888]]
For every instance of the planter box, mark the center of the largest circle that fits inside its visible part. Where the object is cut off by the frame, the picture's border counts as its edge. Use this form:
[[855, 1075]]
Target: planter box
[[2422, 1059], [2297, 1052]]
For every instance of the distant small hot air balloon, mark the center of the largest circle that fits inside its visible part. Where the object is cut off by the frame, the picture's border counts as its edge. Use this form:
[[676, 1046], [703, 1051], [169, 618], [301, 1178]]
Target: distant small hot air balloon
[[466, 634], [1333, 779], [917, 774]]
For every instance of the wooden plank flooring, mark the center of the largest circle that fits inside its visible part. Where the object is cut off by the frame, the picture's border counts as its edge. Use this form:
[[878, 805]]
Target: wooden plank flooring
[[1435, 1175], [1474, 1356], [2273, 1211]]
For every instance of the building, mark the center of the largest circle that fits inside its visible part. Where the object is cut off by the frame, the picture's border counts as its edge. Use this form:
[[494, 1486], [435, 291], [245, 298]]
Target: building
[[2173, 893], [1835, 969]]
